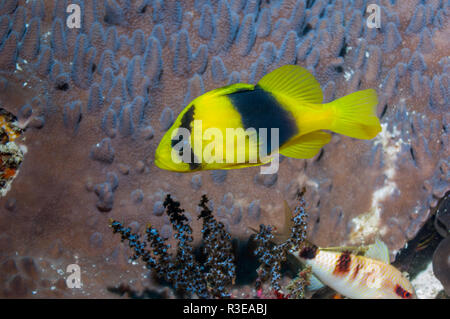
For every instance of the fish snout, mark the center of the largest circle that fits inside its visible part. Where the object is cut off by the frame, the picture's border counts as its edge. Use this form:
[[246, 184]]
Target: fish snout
[[159, 159]]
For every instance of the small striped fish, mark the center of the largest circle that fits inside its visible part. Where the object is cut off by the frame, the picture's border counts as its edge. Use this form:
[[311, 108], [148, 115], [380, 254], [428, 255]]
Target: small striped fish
[[359, 273]]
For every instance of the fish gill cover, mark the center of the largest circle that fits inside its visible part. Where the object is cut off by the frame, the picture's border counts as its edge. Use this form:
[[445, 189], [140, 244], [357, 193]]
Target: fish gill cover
[[94, 101]]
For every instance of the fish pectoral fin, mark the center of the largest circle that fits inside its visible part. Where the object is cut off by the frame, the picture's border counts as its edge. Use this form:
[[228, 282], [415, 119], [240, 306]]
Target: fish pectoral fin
[[378, 251], [295, 82], [306, 146]]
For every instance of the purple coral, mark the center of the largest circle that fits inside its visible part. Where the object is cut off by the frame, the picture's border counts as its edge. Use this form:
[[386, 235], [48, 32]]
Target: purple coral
[[75, 89]]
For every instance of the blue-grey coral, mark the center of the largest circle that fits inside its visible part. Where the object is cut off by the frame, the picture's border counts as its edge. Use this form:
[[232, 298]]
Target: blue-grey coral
[[264, 24], [206, 26], [183, 56], [218, 69], [77, 93], [246, 36]]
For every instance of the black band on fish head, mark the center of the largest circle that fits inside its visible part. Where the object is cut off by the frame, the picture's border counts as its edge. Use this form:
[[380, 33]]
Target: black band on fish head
[[186, 121], [308, 252]]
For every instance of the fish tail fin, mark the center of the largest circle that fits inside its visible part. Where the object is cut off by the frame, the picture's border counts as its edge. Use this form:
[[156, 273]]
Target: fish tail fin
[[355, 115]]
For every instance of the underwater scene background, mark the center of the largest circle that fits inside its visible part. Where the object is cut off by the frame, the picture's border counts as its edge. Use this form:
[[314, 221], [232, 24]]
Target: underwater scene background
[[83, 110]]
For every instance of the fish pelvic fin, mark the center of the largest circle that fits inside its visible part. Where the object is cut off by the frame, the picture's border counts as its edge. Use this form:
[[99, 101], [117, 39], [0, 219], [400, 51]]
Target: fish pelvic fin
[[306, 146], [355, 115]]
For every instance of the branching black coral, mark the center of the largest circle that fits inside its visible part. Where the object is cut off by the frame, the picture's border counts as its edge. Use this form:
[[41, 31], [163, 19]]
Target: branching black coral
[[219, 264], [272, 255], [210, 274], [188, 277]]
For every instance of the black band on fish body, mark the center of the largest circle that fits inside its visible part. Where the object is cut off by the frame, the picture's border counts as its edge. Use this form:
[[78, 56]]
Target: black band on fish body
[[259, 109], [186, 121]]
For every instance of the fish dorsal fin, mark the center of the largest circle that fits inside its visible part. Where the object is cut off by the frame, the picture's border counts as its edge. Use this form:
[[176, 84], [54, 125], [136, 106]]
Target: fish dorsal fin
[[306, 146], [285, 232], [288, 223], [280, 236], [293, 81], [314, 283], [378, 251], [351, 249], [355, 250]]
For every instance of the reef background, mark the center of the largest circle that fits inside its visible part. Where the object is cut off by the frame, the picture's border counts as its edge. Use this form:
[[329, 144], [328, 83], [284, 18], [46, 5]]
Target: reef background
[[94, 103]]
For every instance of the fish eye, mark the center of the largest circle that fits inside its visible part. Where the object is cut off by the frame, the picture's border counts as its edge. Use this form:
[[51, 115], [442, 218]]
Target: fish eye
[[184, 146]]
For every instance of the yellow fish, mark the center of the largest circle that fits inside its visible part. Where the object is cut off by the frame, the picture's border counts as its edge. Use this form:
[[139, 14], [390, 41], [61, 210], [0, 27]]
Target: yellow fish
[[240, 125]]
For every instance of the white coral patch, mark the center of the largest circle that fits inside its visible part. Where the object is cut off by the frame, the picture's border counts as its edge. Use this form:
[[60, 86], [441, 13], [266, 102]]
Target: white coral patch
[[426, 284], [368, 223], [348, 74]]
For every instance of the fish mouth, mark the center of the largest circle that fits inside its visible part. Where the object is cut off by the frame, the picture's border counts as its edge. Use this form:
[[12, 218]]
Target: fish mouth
[[159, 160], [159, 163], [166, 165]]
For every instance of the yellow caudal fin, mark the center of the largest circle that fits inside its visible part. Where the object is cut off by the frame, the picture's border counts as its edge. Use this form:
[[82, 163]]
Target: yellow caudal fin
[[293, 81], [355, 115], [306, 146]]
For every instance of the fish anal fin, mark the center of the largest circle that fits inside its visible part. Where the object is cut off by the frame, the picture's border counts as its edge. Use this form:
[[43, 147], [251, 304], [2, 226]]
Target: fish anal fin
[[306, 146], [293, 81], [243, 165]]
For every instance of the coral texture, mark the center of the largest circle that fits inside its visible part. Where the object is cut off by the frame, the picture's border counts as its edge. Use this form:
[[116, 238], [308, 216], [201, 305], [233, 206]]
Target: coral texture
[[95, 101]]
